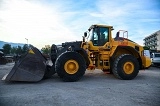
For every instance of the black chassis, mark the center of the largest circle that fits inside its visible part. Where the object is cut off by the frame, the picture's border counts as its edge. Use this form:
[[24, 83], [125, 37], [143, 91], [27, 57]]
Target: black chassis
[[70, 46]]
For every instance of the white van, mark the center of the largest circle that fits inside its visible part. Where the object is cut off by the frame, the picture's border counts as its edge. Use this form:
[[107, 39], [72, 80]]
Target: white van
[[155, 58]]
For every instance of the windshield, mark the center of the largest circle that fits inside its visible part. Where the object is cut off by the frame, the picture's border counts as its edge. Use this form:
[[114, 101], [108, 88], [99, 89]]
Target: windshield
[[157, 55]]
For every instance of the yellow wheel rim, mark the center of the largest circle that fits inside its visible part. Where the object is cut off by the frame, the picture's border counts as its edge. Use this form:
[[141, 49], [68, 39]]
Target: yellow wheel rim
[[71, 66], [128, 67]]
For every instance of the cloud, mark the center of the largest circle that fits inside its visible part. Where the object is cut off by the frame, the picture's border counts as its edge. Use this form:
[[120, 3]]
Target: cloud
[[140, 18], [37, 22], [45, 22]]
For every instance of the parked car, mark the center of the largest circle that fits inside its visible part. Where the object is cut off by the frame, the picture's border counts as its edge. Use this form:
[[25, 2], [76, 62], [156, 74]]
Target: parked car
[[155, 58]]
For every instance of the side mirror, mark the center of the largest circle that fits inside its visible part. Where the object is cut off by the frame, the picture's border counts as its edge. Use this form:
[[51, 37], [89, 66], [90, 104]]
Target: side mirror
[[85, 34]]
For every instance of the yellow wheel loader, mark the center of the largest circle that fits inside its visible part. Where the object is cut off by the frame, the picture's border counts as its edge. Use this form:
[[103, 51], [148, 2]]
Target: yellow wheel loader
[[98, 50]]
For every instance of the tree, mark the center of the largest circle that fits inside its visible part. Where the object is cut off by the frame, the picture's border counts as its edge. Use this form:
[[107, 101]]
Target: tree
[[25, 48], [13, 50], [146, 48], [19, 50], [6, 49], [46, 49]]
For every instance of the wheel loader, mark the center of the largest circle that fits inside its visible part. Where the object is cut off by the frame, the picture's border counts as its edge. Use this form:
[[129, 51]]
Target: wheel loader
[[98, 50]]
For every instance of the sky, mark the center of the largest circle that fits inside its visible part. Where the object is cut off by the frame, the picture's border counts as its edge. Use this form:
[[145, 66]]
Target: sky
[[47, 22]]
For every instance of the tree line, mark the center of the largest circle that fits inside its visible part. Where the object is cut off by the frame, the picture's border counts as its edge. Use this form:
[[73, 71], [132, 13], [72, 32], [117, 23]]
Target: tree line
[[19, 50]]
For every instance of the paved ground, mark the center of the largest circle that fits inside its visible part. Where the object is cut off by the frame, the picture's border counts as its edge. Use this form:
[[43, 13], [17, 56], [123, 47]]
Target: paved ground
[[94, 89]]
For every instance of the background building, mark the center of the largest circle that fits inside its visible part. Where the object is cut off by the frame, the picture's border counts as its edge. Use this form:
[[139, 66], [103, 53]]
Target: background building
[[153, 41]]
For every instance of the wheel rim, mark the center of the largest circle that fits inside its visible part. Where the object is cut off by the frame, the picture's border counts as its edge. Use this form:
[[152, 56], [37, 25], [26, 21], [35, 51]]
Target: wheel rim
[[128, 67], [71, 66]]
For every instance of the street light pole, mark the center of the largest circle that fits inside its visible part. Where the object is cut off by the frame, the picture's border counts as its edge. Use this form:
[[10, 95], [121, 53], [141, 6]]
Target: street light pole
[[27, 41]]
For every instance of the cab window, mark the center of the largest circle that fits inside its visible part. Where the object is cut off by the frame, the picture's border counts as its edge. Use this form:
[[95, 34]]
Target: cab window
[[95, 37], [99, 36], [103, 36]]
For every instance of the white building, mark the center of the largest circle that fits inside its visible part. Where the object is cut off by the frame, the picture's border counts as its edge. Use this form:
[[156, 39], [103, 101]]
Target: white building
[[153, 41]]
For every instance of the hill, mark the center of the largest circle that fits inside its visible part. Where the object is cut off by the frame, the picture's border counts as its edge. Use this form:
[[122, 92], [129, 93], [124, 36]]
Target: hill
[[11, 43]]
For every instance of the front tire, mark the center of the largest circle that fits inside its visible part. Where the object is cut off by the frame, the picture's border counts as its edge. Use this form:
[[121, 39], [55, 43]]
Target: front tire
[[53, 53], [70, 66], [126, 67]]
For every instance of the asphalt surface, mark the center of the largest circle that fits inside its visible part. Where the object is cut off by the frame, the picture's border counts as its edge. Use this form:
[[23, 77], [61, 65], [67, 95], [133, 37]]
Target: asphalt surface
[[94, 89]]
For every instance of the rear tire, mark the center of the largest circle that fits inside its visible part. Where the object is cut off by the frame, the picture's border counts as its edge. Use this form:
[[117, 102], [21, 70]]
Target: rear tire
[[126, 67], [70, 66]]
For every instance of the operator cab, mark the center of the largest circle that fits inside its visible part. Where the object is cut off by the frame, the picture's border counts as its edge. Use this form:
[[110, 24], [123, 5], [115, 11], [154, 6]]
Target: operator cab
[[98, 35]]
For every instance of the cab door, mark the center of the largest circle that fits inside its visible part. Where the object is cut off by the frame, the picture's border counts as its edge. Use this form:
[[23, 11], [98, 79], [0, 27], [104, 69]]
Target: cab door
[[101, 47], [100, 36]]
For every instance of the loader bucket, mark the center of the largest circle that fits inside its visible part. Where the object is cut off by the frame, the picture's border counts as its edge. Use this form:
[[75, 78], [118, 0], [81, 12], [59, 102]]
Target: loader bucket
[[30, 67]]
